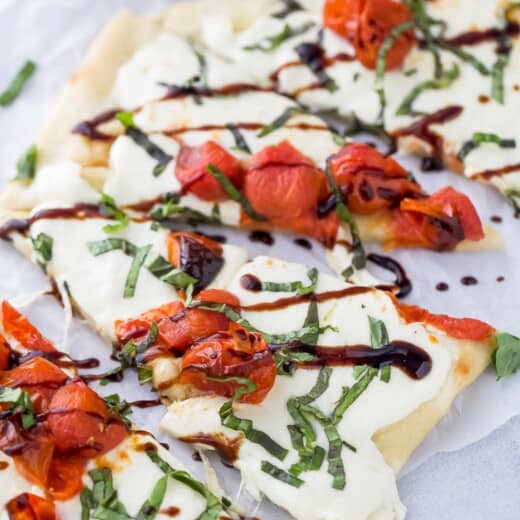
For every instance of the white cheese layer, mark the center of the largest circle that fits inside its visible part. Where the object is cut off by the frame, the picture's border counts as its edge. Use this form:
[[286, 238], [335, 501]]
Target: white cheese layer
[[356, 91], [370, 490], [134, 477], [97, 283]]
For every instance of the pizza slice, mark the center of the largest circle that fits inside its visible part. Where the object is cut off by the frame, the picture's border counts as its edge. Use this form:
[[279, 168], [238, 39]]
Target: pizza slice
[[232, 152], [441, 78], [67, 452], [316, 390]]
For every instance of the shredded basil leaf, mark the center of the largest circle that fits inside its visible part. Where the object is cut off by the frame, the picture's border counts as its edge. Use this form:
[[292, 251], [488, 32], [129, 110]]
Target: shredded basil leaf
[[157, 265], [272, 339], [465, 56], [135, 269], [240, 140], [297, 286], [514, 198], [17, 84], [273, 42], [203, 68], [379, 339], [20, 402], [169, 274], [142, 140], [119, 407], [171, 208], [381, 57], [447, 78], [290, 6], [280, 474], [359, 260], [286, 359], [213, 505], [479, 138], [507, 355], [497, 75], [42, 249], [233, 193], [246, 425], [151, 507], [102, 501], [108, 205], [26, 165], [280, 120]]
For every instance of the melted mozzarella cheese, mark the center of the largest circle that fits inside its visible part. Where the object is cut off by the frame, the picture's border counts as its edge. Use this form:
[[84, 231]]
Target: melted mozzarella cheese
[[169, 60], [59, 182], [356, 85], [97, 282], [134, 477], [370, 491]]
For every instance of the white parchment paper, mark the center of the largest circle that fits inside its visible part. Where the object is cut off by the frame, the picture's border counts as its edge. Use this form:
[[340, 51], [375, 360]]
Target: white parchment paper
[[55, 33]]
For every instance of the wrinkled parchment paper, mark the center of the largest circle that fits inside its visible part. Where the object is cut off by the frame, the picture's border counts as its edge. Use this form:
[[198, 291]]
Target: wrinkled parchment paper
[[55, 33]]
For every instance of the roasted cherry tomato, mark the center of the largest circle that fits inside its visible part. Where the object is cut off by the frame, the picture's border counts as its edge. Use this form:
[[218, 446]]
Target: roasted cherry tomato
[[196, 255], [65, 478], [5, 353], [39, 377], [367, 24], [235, 353], [438, 222], [285, 186], [179, 327], [22, 330], [370, 181], [458, 328], [30, 507], [191, 171], [79, 419]]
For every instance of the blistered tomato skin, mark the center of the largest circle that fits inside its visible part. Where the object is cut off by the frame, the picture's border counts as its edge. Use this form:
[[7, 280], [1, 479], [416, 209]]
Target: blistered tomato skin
[[367, 24], [30, 507], [369, 181], [285, 186], [191, 170], [235, 353], [439, 222]]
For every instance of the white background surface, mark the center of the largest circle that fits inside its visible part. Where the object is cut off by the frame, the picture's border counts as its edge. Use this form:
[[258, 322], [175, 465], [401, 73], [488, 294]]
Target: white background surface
[[480, 481]]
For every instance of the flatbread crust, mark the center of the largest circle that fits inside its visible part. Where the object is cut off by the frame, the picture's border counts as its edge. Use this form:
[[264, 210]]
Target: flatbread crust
[[89, 92]]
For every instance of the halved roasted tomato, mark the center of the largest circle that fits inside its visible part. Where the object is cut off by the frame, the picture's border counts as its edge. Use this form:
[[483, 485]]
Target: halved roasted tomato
[[179, 327], [367, 24], [30, 507], [22, 330], [5, 353], [285, 186], [458, 328], [191, 170], [196, 255], [437, 222], [369, 181], [236, 353], [80, 420]]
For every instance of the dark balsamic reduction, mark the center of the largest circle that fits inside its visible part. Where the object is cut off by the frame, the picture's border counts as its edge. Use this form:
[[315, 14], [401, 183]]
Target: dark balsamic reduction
[[488, 174], [170, 511], [199, 261], [78, 211], [89, 128], [442, 286], [512, 29], [496, 219], [196, 456], [250, 283], [303, 242], [283, 303], [261, 236], [500, 279], [146, 403], [421, 130], [412, 360], [401, 278], [227, 448], [468, 280]]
